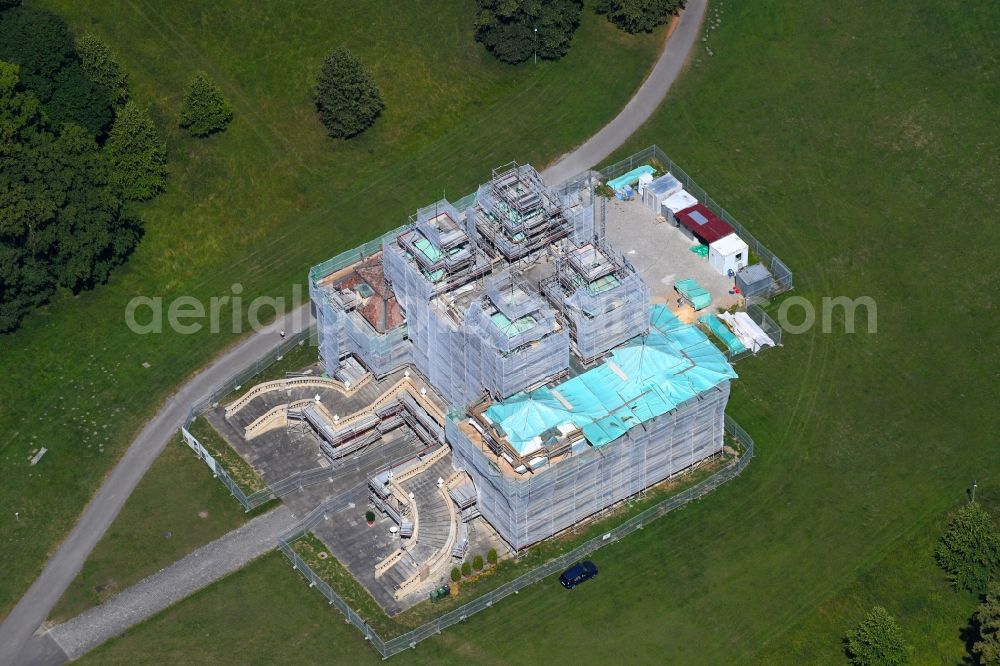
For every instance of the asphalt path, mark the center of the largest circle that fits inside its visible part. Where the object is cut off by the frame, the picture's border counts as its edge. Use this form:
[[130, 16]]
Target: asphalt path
[[647, 98]]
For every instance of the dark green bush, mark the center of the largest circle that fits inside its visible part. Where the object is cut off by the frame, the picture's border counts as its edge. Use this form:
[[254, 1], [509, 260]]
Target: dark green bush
[[877, 641], [205, 110]]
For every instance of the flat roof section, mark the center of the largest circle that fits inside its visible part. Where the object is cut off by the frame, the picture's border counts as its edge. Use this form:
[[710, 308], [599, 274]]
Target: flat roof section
[[591, 262], [513, 328], [678, 201], [730, 244]]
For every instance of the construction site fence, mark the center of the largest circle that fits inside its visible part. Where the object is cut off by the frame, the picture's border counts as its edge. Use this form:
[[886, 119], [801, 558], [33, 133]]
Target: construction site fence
[[352, 256], [783, 279], [390, 647], [249, 502]]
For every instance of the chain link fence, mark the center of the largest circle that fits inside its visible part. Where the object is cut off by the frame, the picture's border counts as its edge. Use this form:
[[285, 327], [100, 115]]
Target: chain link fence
[[248, 502], [388, 648], [768, 325], [783, 279]]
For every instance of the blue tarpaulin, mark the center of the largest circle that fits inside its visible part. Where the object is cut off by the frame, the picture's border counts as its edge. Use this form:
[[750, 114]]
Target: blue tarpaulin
[[646, 377]]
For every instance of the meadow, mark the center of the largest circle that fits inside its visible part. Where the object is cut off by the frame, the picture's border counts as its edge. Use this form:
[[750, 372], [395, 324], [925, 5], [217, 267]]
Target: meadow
[[861, 145]]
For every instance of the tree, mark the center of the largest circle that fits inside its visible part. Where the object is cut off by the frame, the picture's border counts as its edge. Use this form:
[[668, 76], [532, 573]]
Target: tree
[[969, 551], [466, 569], [137, 154], [24, 281], [491, 556], [456, 574], [100, 64], [987, 623], [62, 223], [90, 233], [877, 641], [347, 98], [477, 562], [638, 15], [515, 30], [205, 110], [38, 41], [42, 45], [76, 99]]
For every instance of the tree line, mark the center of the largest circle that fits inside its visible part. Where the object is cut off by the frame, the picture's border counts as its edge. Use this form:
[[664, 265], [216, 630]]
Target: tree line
[[518, 30]]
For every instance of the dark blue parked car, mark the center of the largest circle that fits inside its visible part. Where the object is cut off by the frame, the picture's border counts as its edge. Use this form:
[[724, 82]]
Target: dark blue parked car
[[577, 574]]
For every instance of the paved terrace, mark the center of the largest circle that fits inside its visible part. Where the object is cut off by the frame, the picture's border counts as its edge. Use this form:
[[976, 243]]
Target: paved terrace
[[661, 253]]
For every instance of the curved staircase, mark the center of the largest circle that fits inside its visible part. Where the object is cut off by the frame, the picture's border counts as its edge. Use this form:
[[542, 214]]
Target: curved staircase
[[436, 530]]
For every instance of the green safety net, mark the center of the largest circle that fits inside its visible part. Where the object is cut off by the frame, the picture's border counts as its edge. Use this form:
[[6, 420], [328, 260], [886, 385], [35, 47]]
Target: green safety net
[[603, 284], [645, 378], [428, 249]]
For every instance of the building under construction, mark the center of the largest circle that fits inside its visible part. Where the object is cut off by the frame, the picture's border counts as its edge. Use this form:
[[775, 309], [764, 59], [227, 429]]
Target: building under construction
[[566, 391]]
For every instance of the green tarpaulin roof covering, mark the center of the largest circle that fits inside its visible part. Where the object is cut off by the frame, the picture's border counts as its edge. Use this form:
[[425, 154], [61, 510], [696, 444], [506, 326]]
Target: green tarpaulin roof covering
[[646, 377]]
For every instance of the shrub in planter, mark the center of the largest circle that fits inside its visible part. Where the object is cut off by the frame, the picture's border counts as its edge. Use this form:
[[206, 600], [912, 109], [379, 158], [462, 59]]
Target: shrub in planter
[[370, 516]]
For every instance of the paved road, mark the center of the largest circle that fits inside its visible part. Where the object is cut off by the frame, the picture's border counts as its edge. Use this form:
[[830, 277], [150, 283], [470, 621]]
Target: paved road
[[165, 588], [19, 627], [643, 103]]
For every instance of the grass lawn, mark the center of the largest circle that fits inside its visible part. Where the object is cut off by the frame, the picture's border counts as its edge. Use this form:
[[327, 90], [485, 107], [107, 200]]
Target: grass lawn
[[179, 497], [906, 578], [860, 144], [260, 203], [181, 637]]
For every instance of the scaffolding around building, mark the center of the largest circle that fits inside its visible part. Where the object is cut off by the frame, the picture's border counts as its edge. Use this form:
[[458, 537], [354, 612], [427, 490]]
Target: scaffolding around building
[[509, 296]]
